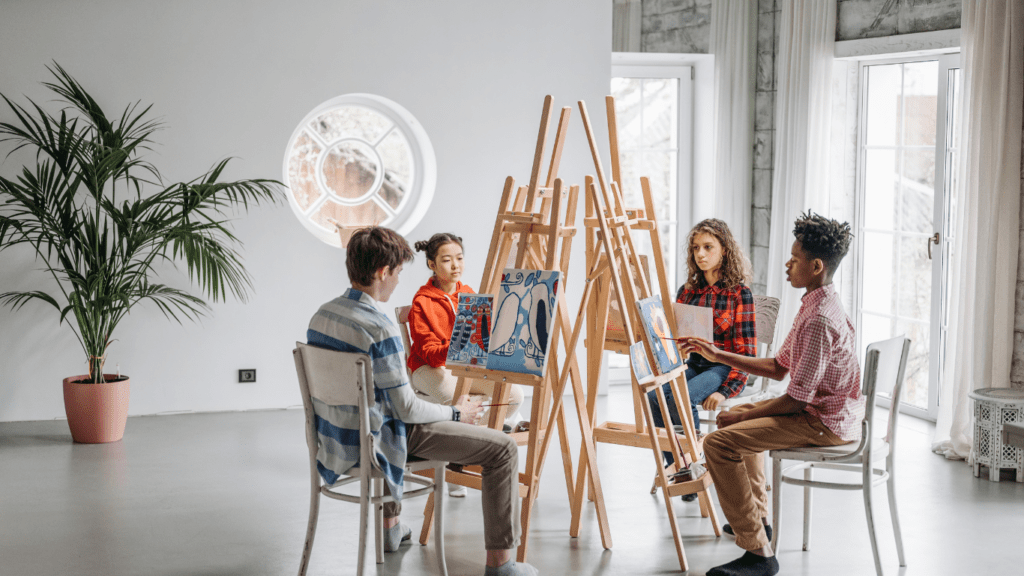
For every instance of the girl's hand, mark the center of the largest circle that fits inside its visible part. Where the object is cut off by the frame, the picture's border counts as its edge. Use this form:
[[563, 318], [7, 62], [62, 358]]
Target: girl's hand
[[700, 346], [712, 402]]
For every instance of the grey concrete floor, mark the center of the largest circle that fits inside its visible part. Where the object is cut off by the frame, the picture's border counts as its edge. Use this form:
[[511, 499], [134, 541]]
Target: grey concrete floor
[[226, 494]]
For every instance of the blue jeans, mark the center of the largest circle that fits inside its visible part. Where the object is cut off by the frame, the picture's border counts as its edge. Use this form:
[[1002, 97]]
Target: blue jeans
[[701, 384]]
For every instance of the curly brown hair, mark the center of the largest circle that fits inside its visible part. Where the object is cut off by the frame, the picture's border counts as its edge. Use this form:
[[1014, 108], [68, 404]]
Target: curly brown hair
[[735, 268]]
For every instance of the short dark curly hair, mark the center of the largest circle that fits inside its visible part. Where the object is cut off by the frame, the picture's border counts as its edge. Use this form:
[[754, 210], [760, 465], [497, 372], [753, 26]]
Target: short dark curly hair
[[821, 237], [372, 248]]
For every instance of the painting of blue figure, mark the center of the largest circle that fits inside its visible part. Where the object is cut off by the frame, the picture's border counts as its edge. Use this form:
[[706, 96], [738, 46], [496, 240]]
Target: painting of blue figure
[[524, 313], [659, 334], [471, 333], [641, 366]]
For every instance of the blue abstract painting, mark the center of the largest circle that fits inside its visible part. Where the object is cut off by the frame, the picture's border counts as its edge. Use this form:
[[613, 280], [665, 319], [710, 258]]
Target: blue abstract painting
[[641, 366], [659, 334], [471, 332], [524, 313]]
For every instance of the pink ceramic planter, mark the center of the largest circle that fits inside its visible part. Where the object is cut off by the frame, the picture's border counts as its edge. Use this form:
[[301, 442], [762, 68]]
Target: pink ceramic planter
[[96, 412]]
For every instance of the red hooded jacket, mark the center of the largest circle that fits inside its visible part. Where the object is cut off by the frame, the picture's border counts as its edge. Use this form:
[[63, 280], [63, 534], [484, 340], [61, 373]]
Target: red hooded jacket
[[430, 324]]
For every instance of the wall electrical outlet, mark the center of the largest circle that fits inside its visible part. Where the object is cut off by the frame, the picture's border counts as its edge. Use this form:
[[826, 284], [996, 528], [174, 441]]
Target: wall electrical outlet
[[247, 375]]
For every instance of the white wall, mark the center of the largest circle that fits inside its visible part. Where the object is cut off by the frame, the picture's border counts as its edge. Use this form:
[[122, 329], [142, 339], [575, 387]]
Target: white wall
[[233, 78]]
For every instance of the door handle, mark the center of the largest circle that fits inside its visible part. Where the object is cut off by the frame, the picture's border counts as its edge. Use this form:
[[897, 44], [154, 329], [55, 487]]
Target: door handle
[[933, 239]]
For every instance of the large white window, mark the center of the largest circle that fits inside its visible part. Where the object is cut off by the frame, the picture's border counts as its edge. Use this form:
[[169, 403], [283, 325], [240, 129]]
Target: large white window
[[906, 178], [359, 160]]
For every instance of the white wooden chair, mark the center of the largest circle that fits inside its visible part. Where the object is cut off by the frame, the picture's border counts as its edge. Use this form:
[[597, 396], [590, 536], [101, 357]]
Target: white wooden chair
[[402, 314], [346, 379], [884, 366], [766, 312]]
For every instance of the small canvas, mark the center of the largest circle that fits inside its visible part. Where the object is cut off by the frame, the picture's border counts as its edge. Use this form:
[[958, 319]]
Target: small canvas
[[659, 334], [694, 322], [641, 366], [524, 313], [471, 333]]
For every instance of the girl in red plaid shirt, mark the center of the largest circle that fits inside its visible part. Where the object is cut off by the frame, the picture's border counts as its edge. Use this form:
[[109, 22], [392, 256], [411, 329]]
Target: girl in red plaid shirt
[[716, 278]]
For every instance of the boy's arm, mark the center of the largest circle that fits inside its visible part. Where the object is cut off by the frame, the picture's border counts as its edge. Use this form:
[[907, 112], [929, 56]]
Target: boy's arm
[[766, 367], [784, 404]]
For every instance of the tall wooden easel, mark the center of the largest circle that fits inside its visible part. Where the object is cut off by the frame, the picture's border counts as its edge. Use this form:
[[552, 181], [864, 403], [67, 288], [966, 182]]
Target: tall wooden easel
[[527, 232], [617, 271]]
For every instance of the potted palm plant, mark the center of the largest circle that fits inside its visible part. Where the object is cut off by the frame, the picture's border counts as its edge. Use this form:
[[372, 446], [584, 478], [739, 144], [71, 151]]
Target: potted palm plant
[[99, 218]]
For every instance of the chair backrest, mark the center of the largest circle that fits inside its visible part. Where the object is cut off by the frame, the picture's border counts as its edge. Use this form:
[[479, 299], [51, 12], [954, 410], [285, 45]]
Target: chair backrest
[[337, 379], [402, 314], [885, 364], [766, 312]]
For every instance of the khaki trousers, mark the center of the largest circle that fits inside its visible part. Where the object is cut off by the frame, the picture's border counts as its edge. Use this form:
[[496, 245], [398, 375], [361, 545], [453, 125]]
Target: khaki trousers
[[438, 385], [735, 457], [495, 452]]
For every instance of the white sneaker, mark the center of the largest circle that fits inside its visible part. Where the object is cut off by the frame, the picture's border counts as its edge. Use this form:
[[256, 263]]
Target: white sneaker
[[456, 491]]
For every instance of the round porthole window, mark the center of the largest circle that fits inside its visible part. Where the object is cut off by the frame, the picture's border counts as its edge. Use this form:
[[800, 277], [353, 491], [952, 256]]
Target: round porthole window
[[359, 160]]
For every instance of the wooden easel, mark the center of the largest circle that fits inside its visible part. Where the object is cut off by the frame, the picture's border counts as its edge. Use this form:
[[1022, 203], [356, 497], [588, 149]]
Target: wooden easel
[[615, 270], [533, 226]]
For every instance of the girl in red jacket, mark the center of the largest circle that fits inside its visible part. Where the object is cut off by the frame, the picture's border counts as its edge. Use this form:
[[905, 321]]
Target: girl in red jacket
[[430, 326]]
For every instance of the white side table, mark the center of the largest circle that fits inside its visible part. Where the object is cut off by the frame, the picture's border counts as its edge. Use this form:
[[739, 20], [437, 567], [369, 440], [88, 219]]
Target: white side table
[[994, 407]]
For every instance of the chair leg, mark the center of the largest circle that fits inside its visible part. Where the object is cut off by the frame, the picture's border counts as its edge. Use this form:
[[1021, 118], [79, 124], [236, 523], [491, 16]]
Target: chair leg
[[364, 514], [439, 490], [807, 510], [378, 521], [891, 485], [776, 502], [314, 514], [868, 469]]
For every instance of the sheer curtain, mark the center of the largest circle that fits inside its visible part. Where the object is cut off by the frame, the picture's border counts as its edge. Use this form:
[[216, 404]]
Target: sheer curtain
[[734, 44], [803, 127], [988, 222]]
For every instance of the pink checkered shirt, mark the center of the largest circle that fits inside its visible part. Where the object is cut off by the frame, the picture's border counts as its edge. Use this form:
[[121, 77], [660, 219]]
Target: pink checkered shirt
[[820, 355]]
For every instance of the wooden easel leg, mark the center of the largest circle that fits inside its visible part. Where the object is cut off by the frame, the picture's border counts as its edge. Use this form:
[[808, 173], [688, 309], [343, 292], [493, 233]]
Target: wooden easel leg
[[652, 432], [428, 520]]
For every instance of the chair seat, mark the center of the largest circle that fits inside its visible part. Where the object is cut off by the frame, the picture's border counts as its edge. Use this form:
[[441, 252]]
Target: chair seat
[[879, 450]]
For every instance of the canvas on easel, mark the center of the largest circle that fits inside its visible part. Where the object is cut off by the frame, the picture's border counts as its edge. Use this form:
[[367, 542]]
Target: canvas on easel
[[638, 361], [659, 335], [471, 332], [524, 313], [694, 322]]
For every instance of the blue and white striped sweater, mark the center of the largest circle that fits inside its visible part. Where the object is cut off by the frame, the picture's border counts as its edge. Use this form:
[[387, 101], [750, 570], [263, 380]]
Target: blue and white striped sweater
[[351, 323]]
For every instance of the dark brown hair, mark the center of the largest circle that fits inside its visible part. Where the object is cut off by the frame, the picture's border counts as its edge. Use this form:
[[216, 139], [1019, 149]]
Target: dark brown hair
[[735, 268], [370, 249], [821, 237], [435, 243]]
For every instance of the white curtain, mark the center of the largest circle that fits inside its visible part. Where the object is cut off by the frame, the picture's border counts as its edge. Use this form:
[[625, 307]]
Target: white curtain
[[627, 16], [734, 44], [988, 223], [803, 115]]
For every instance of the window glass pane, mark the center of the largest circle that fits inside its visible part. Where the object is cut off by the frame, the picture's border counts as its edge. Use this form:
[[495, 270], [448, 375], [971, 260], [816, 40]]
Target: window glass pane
[[883, 102], [350, 169], [350, 122], [660, 112], [873, 329], [366, 213], [920, 86], [915, 380], [301, 171], [879, 279], [631, 170], [917, 200], [627, 111], [880, 182], [915, 278], [397, 157]]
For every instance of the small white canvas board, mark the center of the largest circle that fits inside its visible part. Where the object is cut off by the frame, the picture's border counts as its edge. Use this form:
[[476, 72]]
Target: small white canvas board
[[694, 322]]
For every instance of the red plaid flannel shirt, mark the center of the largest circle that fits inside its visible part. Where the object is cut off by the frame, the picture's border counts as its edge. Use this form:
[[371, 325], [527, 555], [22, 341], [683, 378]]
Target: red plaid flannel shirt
[[823, 369], [735, 327]]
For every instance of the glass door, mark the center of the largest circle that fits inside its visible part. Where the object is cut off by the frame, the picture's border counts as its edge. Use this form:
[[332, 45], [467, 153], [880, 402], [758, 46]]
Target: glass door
[[907, 160]]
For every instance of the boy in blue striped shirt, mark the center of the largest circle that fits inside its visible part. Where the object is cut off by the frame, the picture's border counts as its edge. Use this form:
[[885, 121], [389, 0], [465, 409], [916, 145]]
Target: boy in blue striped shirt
[[404, 424]]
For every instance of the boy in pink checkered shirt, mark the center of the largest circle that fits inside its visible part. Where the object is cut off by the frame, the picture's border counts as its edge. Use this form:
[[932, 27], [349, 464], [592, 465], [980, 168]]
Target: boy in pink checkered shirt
[[821, 407]]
